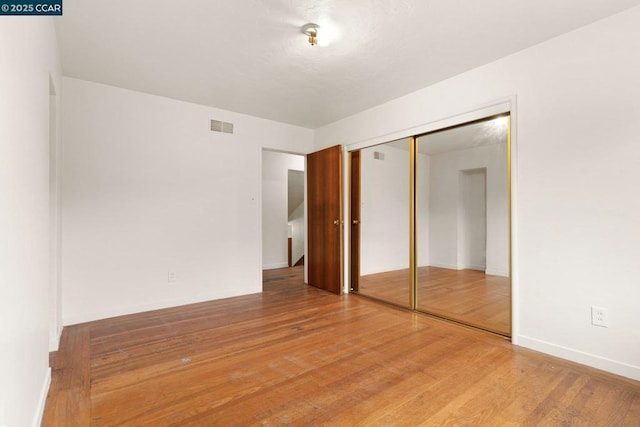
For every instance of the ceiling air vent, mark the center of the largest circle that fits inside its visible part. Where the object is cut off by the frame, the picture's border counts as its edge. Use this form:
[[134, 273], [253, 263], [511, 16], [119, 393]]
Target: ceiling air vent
[[218, 126]]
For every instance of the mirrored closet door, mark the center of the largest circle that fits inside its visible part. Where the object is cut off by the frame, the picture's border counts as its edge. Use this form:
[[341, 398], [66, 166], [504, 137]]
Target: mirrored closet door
[[430, 223], [382, 223], [463, 224]]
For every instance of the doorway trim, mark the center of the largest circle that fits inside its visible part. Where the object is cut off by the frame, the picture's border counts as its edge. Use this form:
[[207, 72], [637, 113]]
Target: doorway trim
[[55, 230]]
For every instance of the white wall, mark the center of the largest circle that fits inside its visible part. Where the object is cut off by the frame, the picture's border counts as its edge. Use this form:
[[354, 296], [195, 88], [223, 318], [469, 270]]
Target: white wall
[[29, 56], [423, 194], [445, 206], [148, 189], [298, 233], [275, 212], [576, 231], [472, 220], [384, 209]]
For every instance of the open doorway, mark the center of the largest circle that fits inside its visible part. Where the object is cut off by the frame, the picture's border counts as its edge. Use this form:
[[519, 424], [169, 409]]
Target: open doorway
[[283, 210], [295, 207], [472, 219]]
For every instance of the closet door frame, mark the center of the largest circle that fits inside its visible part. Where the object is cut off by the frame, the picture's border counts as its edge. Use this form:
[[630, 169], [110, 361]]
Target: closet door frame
[[501, 109]]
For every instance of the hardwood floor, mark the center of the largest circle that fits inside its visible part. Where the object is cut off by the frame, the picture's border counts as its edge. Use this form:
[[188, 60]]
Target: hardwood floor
[[296, 355], [467, 296]]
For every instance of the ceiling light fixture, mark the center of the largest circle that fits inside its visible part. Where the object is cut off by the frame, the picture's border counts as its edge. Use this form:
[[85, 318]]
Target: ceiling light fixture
[[311, 30]]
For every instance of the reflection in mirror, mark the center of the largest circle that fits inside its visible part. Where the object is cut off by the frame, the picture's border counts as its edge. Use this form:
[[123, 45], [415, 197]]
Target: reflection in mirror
[[384, 222], [463, 225]]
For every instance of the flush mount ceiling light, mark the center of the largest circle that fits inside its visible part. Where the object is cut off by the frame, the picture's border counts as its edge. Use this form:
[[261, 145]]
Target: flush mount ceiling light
[[311, 30]]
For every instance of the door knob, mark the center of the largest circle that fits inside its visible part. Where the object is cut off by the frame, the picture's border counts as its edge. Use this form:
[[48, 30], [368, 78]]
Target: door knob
[[336, 222], [355, 222]]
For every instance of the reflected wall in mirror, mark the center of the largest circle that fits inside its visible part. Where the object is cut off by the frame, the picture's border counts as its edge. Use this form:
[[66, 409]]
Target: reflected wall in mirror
[[384, 222], [463, 225]]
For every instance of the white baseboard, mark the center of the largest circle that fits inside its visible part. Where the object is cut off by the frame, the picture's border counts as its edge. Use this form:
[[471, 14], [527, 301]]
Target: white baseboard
[[37, 417], [472, 267], [74, 319], [487, 270], [273, 266], [598, 362], [496, 272], [54, 342], [443, 265]]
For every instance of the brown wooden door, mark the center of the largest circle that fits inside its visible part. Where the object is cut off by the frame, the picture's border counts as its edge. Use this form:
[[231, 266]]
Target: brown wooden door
[[355, 219], [324, 234]]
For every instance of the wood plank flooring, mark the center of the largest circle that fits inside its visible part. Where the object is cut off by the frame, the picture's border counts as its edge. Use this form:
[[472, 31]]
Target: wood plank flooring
[[467, 296], [296, 355]]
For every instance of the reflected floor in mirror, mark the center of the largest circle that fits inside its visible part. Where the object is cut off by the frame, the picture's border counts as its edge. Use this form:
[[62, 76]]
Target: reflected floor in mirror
[[468, 296]]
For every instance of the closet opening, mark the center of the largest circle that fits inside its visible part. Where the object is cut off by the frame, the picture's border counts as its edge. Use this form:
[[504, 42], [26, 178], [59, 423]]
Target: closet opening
[[430, 223]]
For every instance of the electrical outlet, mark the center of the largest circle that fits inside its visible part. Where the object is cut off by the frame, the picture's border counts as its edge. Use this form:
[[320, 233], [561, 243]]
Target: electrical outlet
[[171, 277], [599, 316]]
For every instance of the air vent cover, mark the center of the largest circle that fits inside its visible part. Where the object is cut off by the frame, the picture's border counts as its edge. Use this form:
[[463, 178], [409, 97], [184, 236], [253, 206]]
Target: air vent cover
[[378, 155], [218, 126]]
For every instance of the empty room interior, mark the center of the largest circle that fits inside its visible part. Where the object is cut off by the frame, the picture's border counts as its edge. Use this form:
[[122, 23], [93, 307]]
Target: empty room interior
[[320, 213]]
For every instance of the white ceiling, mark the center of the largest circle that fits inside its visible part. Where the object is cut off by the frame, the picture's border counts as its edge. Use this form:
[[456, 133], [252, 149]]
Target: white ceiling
[[249, 56], [473, 135], [464, 137]]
